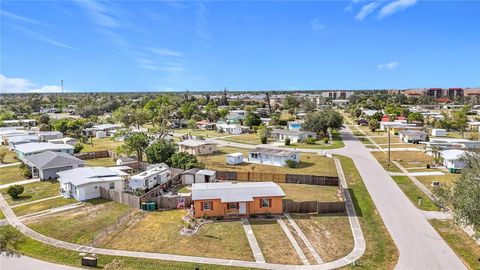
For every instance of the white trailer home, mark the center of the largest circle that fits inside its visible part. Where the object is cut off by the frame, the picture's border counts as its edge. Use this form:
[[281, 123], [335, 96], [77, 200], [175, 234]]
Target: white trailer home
[[150, 178], [235, 158]]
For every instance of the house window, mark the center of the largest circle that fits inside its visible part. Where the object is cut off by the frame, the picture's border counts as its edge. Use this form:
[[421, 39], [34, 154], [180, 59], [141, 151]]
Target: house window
[[232, 206], [265, 203], [112, 185], [207, 206]]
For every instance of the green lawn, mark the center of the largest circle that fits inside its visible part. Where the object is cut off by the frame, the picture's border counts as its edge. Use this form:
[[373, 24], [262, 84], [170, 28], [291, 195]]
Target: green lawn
[[247, 138], [301, 192], [311, 164], [330, 235], [80, 224], [273, 242], [413, 193], [103, 162], [381, 252], [160, 232], [199, 132], [336, 143], [446, 179], [35, 191], [43, 205], [101, 144], [10, 174], [464, 246], [44, 252]]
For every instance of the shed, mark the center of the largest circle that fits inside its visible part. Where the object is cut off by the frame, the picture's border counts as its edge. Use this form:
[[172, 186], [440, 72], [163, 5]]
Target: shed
[[100, 134], [438, 132], [188, 177], [205, 176], [235, 158]]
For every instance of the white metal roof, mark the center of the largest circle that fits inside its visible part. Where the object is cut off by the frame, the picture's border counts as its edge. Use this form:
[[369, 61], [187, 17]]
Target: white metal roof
[[194, 143], [39, 147], [238, 154], [452, 154], [235, 192], [207, 172], [87, 175]]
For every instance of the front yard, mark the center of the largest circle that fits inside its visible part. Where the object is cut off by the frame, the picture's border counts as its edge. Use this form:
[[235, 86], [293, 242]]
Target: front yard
[[330, 235], [43, 205], [11, 174], [34, 191], [311, 164], [273, 242], [160, 232], [414, 193], [319, 144], [79, 225], [446, 179], [247, 138]]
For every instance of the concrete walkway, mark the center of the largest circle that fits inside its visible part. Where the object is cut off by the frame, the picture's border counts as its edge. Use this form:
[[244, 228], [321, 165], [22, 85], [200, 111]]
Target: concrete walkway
[[294, 242], [10, 164], [22, 182], [304, 239], [37, 201], [257, 252]]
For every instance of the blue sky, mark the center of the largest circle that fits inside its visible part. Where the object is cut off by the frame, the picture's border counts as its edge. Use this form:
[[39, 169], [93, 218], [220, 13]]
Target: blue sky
[[240, 45]]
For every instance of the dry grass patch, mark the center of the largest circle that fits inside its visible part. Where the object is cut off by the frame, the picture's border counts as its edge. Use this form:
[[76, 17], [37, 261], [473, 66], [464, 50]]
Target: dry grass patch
[[302, 192], [248, 138], [81, 224], [101, 144], [446, 179], [160, 232], [103, 162], [275, 245], [10, 157], [330, 235], [10, 174], [407, 159], [311, 164]]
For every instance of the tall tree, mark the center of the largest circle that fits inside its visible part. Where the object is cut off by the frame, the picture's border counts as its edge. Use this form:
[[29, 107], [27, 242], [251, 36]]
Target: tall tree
[[252, 120], [321, 121], [160, 151], [135, 143], [162, 112], [290, 103]]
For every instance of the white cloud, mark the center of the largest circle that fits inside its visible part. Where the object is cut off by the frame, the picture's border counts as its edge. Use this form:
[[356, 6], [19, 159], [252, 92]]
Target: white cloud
[[366, 10], [21, 85], [317, 25], [202, 24], [167, 52], [388, 66], [395, 6], [100, 13], [19, 18]]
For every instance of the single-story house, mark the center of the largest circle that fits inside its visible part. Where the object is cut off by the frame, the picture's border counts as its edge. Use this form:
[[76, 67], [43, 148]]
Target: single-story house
[[84, 183], [47, 164], [370, 113], [20, 122], [28, 149], [105, 129], [150, 178], [44, 136], [230, 128], [205, 125], [294, 125], [438, 132], [412, 136], [5, 135], [449, 143], [228, 199], [451, 160], [18, 140], [235, 158], [205, 176], [271, 156], [66, 140], [197, 147], [188, 176], [293, 135]]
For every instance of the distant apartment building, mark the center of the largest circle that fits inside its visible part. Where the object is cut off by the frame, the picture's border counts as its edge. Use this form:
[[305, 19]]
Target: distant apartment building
[[442, 93], [337, 94]]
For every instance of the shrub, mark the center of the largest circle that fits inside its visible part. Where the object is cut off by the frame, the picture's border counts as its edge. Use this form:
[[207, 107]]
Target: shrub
[[310, 140], [291, 163], [287, 141], [15, 190], [325, 140], [253, 215], [78, 147], [263, 140], [25, 171]]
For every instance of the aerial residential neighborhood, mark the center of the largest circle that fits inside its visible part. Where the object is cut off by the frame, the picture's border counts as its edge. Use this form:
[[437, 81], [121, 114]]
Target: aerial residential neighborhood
[[239, 135]]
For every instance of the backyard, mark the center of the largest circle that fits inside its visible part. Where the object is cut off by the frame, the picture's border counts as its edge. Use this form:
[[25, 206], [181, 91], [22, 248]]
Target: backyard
[[160, 232], [301, 192], [102, 162], [101, 144], [310, 164]]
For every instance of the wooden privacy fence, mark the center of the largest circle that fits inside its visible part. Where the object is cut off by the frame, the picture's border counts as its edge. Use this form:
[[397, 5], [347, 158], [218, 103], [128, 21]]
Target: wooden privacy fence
[[120, 197], [172, 202], [95, 154], [279, 178], [290, 206]]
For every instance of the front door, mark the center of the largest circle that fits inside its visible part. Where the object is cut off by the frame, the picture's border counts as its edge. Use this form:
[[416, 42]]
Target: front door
[[242, 209]]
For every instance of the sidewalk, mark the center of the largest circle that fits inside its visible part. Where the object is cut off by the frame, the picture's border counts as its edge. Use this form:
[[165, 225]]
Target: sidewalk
[[23, 182]]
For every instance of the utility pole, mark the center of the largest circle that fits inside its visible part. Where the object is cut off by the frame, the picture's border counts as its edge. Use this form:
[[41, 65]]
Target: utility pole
[[388, 145]]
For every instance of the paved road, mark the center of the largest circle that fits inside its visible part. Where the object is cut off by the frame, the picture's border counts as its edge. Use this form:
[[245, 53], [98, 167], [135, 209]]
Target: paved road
[[24, 262], [420, 246]]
